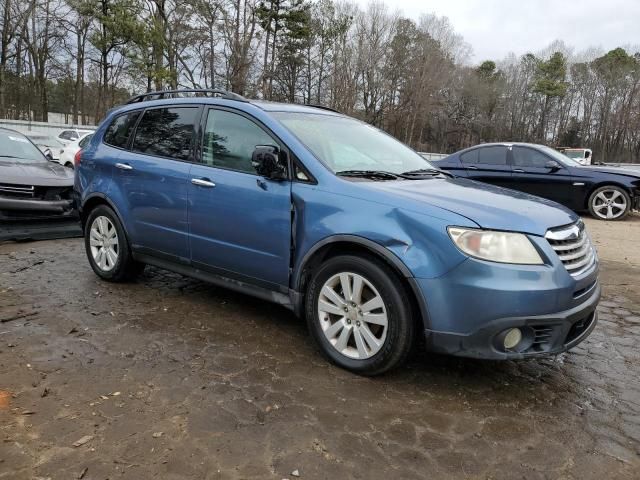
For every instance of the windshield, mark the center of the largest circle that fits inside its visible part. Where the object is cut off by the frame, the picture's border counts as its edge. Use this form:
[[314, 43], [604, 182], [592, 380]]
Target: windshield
[[344, 144], [14, 145], [574, 154], [560, 157]]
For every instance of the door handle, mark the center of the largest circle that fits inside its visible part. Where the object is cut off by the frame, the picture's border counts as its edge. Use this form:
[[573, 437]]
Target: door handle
[[124, 166], [203, 182], [471, 167], [518, 170]]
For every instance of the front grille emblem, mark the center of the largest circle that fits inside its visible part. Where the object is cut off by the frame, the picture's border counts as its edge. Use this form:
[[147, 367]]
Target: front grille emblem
[[573, 247]]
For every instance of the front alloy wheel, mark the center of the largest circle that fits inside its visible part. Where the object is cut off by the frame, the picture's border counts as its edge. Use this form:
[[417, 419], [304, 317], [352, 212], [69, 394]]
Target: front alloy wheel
[[359, 314], [609, 203], [352, 315]]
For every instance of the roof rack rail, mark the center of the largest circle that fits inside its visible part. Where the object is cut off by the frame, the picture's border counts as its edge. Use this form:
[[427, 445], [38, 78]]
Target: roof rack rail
[[322, 107], [160, 94]]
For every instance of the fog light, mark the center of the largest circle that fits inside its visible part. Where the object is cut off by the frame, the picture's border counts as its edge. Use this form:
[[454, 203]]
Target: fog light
[[512, 338]]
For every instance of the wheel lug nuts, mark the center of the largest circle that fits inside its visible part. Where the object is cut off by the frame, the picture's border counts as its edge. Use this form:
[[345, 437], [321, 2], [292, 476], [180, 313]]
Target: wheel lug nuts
[[346, 309], [357, 324], [349, 321]]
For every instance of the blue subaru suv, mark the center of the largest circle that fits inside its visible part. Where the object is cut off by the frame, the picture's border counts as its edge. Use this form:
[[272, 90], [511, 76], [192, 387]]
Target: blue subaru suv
[[337, 221]]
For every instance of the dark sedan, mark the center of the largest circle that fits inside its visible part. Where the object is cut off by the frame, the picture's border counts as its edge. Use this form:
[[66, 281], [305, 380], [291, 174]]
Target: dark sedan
[[36, 194], [608, 193]]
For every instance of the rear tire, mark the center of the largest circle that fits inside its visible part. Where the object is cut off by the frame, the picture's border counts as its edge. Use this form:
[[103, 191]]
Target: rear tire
[[609, 203], [107, 247], [359, 315]]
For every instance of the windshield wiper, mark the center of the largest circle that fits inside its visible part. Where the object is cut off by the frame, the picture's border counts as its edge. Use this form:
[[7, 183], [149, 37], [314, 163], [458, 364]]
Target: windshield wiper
[[8, 156], [374, 174], [426, 171]]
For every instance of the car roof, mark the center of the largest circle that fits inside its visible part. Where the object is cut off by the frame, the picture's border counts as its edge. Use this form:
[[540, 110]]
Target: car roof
[[501, 144], [268, 106], [508, 144], [264, 105]]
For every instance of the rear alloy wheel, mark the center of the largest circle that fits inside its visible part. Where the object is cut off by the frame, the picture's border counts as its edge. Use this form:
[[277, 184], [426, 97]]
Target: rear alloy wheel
[[359, 314], [107, 247], [609, 203], [103, 242]]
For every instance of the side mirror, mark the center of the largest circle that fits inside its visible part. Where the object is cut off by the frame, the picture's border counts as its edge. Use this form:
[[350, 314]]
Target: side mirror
[[552, 166], [48, 154], [267, 161]]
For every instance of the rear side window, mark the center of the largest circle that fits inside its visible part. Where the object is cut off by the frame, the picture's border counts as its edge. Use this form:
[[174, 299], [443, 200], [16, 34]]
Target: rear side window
[[118, 133], [166, 132], [68, 135], [494, 155], [470, 157]]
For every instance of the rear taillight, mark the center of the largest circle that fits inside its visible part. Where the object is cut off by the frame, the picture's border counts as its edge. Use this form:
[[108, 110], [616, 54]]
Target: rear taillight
[[77, 158]]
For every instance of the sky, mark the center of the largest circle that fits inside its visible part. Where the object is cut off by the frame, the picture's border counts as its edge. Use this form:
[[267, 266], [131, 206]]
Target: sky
[[494, 28]]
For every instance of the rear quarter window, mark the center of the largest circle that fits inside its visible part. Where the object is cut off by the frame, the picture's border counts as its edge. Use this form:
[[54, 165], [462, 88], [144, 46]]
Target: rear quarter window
[[120, 129], [492, 155], [469, 157], [83, 143]]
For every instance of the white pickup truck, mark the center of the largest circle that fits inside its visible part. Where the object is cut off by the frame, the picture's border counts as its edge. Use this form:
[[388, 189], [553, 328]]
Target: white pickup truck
[[580, 155]]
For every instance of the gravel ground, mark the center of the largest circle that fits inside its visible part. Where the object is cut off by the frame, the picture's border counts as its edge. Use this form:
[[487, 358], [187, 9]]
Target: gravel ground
[[172, 378]]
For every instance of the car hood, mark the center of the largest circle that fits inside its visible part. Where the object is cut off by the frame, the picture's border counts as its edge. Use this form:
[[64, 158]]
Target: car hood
[[629, 172], [486, 205], [45, 174]]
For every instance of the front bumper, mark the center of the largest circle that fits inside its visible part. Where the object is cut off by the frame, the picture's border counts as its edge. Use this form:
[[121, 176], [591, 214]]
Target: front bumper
[[35, 206], [542, 334], [38, 219], [468, 310]]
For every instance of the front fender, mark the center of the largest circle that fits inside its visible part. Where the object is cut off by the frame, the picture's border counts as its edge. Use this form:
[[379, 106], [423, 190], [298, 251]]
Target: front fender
[[417, 244]]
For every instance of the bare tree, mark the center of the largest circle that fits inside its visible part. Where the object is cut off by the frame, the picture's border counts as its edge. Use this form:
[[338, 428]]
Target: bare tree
[[411, 78]]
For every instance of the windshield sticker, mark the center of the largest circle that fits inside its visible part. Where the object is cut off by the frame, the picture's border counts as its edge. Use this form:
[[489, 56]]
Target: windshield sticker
[[18, 139]]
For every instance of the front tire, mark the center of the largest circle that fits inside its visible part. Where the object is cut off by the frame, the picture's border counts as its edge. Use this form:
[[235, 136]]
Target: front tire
[[359, 315], [107, 247], [609, 203]]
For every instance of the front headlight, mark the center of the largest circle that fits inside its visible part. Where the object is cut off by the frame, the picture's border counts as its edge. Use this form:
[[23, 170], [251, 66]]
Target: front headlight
[[503, 247]]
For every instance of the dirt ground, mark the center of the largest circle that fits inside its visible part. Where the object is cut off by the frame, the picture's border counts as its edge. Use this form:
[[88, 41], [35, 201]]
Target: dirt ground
[[170, 378]]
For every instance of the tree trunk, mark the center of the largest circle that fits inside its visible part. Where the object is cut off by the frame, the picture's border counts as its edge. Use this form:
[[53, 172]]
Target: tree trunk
[[78, 96], [265, 62], [212, 58], [4, 53]]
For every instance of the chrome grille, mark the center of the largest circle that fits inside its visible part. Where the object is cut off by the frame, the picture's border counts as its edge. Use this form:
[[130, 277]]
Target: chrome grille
[[17, 190], [573, 246]]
